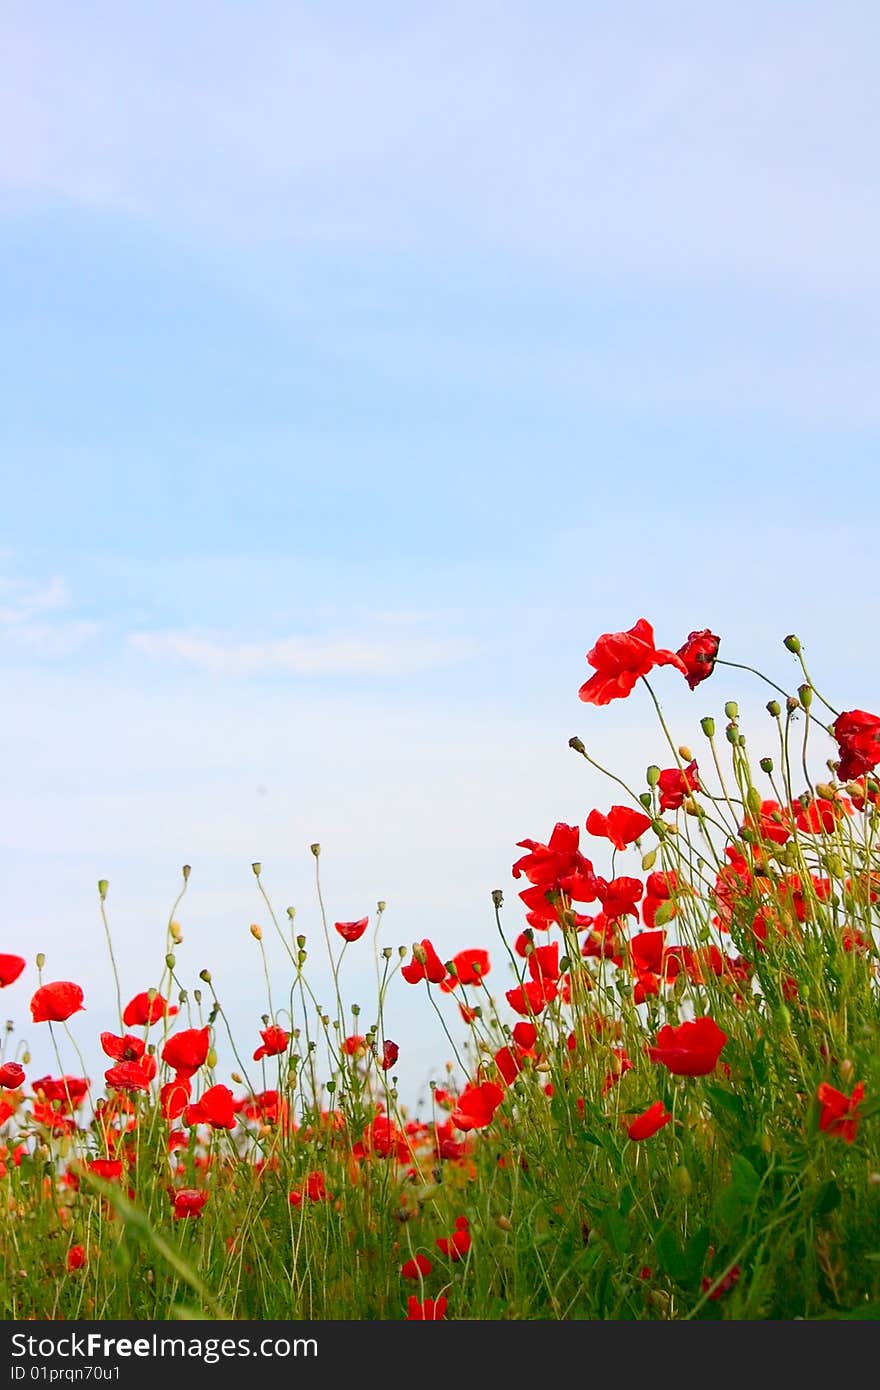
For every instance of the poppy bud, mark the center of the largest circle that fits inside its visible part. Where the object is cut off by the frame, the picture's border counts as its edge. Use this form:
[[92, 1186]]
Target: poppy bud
[[731, 733], [681, 1179], [103, 885], [774, 708], [211, 1059], [792, 643], [205, 975], [707, 724], [186, 871], [805, 692], [731, 709], [649, 860], [825, 789], [234, 1076], [258, 869], [753, 800], [646, 799], [381, 905], [256, 931], [175, 932], [834, 865], [291, 912], [766, 764], [652, 775], [577, 745], [847, 1071], [685, 753], [665, 913], [169, 961], [41, 960], [316, 850]]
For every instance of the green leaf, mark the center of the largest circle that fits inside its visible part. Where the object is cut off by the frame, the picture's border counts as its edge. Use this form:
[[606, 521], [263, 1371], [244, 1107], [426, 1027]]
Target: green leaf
[[695, 1253], [670, 1256], [746, 1181], [828, 1198], [725, 1101], [615, 1229]]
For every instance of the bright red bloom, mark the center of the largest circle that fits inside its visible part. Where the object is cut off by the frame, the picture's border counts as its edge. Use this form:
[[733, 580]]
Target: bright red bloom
[[675, 783], [76, 1257], [10, 969], [314, 1188], [467, 968], [186, 1051], [416, 1268], [840, 1113], [275, 1040], [143, 1009], [621, 826], [820, 815], [56, 1002], [858, 739], [174, 1097], [773, 822], [425, 965], [557, 867], [11, 1075], [691, 1049], [426, 1310], [619, 896], [188, 1201], [648, 1123], [390, 1054], [132, 1076], [620, 658], [476, 1105], [107, 1168], [543, 962], [123, 1049], [698, 654], [508, 1064], [530, 998], [215, 1107], [455, 1246], [352, 931], [355, 1045], [525, 1035], [68, 1090]]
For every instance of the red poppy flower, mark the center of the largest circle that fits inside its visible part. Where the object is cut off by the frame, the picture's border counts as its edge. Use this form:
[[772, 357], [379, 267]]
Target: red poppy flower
[[648, 1123], [56, 1002], [275, 1041], [425, 965], [188, 1201], [174, 1097], [858, 739], [840, 1113], [558, 866], [773, 822], [675, 783], [123, 1049], [186, 1051], [390, 1054], [416, 1268], [720, 1286], [467, 968], [820, 815], [691, 1049], [508, 1064], [455, 1246], [476, 1105], [215, 1107], [10, 969], [352, 931], [620, 658], [145, 1009], [530, 998], [11, 1075], [622, 826], [107, 1168], [132, 1076], [698, 654], [67, 1090], [525, 1035], [426, 1309], [543, 962], [619, 896], [76, 1258], [314, 1188], [355, 1045]]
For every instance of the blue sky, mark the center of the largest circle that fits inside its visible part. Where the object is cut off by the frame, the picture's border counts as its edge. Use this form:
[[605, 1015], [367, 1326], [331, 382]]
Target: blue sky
[[360, 366]]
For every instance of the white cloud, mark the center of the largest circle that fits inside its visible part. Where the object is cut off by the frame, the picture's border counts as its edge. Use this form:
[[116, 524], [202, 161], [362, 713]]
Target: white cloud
[[304, 656], [26, 620]]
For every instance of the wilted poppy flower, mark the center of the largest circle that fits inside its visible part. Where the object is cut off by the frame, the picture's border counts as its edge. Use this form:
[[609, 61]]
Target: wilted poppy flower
[[351, 931], [76, 1257], [620, 659], [648, 1123], [390, 1054], [691, 1049], [275, 1041], [698, 654], [858, 739], [186, 1051], [416, 1268], [425, 965], [840, 1113], [10, 969], [426, 1309], [188, 1201], [56, 1002], [622, 825], [145, 1009], [476, 1105], [11, 1075]]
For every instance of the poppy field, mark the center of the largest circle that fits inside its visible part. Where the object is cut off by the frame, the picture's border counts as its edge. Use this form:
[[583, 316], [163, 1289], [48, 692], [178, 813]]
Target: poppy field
[[663, 1080]]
